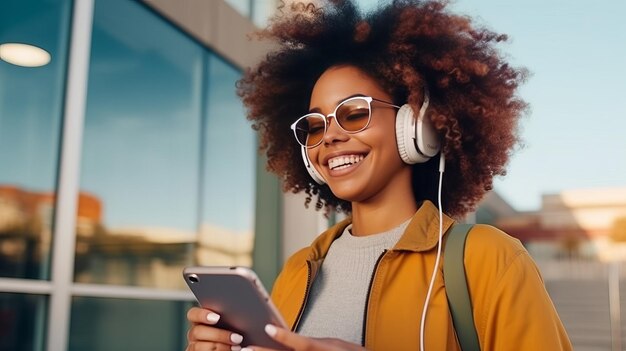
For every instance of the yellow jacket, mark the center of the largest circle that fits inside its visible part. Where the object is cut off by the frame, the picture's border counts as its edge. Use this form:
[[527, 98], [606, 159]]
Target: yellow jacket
[[512, 310]]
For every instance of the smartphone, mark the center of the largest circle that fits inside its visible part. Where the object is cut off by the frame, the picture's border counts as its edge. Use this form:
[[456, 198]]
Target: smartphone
[[238, 296]]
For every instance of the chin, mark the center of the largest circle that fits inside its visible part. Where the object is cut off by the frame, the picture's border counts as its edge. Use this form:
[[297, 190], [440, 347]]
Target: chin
[[346, 193], [349, 192]]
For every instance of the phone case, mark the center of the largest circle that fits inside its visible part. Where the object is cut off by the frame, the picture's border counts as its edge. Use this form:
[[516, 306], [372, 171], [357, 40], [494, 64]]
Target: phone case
[[237, 295]]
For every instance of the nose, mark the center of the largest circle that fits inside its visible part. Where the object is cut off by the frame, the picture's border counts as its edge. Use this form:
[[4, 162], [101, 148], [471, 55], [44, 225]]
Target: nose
[[334, 132]]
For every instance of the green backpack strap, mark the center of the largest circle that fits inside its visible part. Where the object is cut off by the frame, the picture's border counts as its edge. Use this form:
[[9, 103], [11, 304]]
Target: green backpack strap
[[456, 288]]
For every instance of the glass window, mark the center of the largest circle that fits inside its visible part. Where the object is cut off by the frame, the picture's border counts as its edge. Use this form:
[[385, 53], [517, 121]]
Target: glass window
[[22, 321], [138, 205], [121, 324], [168, 156], [226, 233], [31, 102]]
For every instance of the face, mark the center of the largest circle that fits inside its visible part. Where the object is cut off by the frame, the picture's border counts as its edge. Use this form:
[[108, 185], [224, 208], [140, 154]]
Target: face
[[362, 166]]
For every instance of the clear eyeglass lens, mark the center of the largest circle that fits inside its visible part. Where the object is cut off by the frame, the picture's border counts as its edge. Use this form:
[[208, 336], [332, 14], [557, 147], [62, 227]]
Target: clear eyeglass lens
[[310, 129], [352, 115]]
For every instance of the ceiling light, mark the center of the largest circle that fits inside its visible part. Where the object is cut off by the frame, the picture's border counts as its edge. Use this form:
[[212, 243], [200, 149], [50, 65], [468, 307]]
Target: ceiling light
[[24, 55]]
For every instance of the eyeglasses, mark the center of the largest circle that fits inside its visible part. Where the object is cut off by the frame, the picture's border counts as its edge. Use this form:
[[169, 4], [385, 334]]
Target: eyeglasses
[[352, 115]]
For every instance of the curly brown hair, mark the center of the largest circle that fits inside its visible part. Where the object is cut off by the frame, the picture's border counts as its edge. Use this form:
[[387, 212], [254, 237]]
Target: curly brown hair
[[405, 46]]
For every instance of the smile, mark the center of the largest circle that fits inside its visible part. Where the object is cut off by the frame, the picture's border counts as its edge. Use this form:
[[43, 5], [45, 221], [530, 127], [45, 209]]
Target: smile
[[344, 161]]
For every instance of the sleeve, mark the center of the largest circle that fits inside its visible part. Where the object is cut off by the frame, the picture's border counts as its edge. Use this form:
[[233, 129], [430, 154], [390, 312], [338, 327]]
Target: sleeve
[[519, 314]]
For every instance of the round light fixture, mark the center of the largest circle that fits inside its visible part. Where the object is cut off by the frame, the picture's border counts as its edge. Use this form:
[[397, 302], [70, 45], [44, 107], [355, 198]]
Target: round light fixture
[[24, 55]]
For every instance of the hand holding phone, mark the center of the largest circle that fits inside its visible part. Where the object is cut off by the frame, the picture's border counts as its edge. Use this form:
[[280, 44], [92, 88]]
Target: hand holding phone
[[238, 297]]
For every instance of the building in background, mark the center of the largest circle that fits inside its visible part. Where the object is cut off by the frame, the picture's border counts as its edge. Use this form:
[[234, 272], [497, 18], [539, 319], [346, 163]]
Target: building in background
[[578, 223]]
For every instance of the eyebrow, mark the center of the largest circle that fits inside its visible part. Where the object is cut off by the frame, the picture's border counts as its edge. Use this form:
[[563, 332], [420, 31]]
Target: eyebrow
[[318, 110]]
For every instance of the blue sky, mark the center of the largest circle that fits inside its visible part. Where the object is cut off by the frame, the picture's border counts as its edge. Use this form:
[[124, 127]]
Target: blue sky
[[575, 134]]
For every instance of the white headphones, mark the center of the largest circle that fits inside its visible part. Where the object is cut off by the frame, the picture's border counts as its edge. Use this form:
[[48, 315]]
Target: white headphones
[[317, 177], [416, 138]]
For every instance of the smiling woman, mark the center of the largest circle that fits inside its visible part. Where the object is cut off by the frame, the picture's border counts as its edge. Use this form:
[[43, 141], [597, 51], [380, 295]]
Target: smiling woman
[[381, 174], [380, 104], [464, 78]]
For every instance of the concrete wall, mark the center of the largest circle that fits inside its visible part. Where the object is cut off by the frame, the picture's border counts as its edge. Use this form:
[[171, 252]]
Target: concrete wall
[[217, 25]]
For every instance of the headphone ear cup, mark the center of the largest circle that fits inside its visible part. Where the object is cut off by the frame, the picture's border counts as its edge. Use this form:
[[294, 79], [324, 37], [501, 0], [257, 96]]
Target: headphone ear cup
[[426, 138], [317, 177], [406, 136]]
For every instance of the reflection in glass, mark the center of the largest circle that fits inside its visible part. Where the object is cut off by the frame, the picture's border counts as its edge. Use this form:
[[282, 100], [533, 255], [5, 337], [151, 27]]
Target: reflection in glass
[[258, 11], [24, 55], [31, 102], [226, 232], [22, 318], [262, 10], [120, 324], [140, 151], [168, 156], [242, 6]]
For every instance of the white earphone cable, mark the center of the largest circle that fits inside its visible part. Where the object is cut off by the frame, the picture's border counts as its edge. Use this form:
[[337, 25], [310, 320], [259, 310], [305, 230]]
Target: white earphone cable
[[434, 274]]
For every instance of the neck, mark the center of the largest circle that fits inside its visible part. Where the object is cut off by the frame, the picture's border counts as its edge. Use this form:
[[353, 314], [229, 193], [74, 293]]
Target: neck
[[385, 212]]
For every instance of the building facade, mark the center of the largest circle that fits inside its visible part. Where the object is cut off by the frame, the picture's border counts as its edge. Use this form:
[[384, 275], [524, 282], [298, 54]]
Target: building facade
[[125, 156]]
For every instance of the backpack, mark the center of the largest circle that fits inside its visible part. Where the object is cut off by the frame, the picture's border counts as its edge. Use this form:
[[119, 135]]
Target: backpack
[[456, 288]]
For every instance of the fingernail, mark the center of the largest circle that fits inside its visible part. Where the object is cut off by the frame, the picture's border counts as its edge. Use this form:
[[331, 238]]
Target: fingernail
[[235, 348], [270, 330], [212, 317], [236, 338], [247, 349]]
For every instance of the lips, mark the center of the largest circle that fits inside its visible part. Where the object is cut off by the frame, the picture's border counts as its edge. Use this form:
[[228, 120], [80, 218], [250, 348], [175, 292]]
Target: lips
[[344, 161]]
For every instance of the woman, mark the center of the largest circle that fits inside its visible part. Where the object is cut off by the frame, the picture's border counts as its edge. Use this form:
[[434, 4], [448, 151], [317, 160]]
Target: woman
[[379, 106]]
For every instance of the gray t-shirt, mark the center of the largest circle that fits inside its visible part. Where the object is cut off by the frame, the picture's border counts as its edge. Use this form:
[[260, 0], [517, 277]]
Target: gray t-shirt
[[336, 304]]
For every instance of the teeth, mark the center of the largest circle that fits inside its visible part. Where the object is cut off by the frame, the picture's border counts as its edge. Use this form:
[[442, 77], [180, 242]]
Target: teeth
[[344, 161]]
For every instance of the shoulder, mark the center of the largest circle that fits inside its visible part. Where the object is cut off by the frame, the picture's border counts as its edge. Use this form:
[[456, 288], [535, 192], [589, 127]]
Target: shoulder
[[493, 252], [484, 239], [504, 284], [296, 260], [294, 264], [293, 270], [296, 267]]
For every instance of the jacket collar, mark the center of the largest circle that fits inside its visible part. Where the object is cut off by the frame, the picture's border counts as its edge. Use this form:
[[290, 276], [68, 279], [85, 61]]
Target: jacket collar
[[422, 233]]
